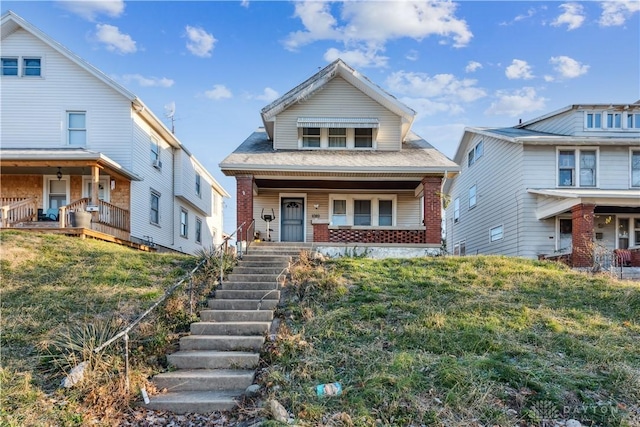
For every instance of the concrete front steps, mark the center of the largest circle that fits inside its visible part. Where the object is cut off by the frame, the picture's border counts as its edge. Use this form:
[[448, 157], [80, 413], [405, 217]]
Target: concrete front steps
[[217, 361]]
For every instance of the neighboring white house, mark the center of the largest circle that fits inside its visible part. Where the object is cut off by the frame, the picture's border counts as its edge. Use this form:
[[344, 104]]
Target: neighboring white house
[[550, 186], [74, 139]]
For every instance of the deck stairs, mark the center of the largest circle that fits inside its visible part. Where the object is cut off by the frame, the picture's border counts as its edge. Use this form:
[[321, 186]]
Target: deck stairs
[[217, 361]]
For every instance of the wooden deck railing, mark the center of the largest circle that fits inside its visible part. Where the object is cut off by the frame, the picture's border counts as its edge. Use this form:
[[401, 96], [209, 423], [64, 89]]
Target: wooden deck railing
[[18, 210], [107, 215]]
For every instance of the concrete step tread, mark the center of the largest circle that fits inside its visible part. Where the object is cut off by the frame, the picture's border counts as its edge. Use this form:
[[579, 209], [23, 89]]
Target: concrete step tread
[[230, 304], [232, 322], [182, 402], [206, 373], [213, 353]]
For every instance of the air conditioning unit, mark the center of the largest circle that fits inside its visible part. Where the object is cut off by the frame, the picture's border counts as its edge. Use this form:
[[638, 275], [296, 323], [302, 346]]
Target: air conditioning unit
[[157, 164]]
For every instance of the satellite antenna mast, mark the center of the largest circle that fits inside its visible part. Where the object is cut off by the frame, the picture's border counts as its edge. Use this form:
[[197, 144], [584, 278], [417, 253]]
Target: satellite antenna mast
[[170, 113]]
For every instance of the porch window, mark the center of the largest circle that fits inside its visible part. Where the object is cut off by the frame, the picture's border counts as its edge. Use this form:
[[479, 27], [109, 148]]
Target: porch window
[[339, 216], [31, 67], [154, 214], [578, 168], [337, 137], [635, 168], [311, 137], [565, 235], [198, 189], [184, 223], [363, 138], [57, 193], [496, 233], [362, 212], [385, 213], [9, 66], [198, 230], [77, 128], [456, 210], [636, 232]]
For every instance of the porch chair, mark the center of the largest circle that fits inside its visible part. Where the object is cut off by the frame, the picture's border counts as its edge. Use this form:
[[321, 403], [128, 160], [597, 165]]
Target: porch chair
[[622, 257], [50, 215]]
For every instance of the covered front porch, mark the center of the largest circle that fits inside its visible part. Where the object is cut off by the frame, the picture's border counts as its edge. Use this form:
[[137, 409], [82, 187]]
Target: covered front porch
[[386, 210], [594, 227], [66, 189]]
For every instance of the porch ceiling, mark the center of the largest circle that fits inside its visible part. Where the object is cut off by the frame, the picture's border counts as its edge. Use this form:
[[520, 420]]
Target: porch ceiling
[[337, 184], [66, 169], [552, 202]]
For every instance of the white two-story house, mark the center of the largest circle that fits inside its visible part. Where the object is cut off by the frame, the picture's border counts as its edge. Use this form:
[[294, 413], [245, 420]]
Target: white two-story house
[[564, 184], [75, 140], [337, 162]]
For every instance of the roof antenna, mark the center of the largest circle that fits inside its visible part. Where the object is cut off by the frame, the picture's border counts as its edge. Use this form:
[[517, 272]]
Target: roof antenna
[[170, 112], [520, 121]]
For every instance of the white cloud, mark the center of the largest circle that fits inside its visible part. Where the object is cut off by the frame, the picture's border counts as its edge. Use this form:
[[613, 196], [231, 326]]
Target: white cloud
[[268, 95], [514, 104], [412, 55], [367, 57], [616, 13], [148, 81], [90, 9], [568, 68], [573, 16], [377, 22], [472, 66], [114, 39], [218, 92], [200, 42], [531, 12], [244, 3], [519, 69]]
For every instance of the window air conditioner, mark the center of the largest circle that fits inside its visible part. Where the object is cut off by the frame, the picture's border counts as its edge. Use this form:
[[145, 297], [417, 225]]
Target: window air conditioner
[[157, 164]]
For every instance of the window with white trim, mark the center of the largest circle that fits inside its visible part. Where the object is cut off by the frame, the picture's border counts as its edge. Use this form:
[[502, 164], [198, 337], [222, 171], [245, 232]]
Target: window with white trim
[[154, 212], [77, 128], [614, 120], [577, 167], [198, 188], [496, 233], [198, 230], [311, 137], [337, 133], [475, 153], [363, 138], [184, 223], [456, 209], [337, 137], [9, 66], [31, 67], [635, 168], [376, 210], [633, 120], [155, 149], [472, 197], [593, 120]]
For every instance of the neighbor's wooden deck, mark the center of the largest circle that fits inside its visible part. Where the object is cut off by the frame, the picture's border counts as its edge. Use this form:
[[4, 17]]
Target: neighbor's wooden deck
[[84, 233]]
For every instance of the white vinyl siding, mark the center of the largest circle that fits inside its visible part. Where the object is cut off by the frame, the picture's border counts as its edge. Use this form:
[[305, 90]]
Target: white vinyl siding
[[338, 99]]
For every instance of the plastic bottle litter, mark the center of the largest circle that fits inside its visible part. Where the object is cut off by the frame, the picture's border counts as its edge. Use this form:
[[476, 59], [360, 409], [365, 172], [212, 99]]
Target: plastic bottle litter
[[331, 389]]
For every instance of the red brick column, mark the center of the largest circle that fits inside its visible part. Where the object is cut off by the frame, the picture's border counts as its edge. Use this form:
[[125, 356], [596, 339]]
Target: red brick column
[[433, 208], [320, 232], [244, 204], [582, 235]]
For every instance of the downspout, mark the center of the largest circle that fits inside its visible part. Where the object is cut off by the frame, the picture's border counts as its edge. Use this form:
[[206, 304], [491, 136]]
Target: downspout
[[173, 196]]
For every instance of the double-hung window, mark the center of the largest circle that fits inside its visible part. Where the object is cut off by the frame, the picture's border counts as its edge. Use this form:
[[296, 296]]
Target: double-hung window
[[635, 168], [311, 137], [496, 233], [363, 138], [472, 197], [77, 128], [385, 212], [198, 230], [198, 188], [9, 66], [337, 137], [577, 168], [475, 153], [154, 213], [184, 223], [339, 215], [456, 210], [362, 212], [31, 67]]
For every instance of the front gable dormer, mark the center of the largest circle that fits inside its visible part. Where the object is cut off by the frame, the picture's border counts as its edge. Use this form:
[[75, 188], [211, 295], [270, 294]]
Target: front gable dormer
[[337, 109]]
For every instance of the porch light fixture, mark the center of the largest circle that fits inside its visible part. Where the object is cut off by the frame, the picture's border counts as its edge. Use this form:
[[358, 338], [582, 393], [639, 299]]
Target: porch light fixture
[[59, 174], [113, 184], [316, 206]]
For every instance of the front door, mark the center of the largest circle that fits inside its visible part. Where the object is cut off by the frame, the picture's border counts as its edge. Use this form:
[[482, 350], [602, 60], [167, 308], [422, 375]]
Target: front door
[[292, 220]]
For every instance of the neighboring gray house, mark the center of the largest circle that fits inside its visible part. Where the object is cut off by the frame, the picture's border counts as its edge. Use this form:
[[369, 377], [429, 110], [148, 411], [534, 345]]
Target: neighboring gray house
[[337, 162], [550, 186]]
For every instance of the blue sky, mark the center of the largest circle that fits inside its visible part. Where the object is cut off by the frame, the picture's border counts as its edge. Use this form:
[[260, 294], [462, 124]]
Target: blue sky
[[469, 63]]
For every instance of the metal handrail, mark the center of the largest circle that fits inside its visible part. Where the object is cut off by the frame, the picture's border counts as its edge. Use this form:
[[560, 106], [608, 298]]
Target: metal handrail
[[125, 332]]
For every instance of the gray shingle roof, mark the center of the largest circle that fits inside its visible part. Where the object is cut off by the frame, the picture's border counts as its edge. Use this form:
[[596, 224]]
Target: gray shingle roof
[[257, 153]]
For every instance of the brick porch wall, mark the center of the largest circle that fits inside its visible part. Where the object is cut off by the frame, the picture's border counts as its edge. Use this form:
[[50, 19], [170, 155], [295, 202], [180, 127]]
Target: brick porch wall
[[375, 236], [582, 235], [244, 203], [432, 209], [22, 186]]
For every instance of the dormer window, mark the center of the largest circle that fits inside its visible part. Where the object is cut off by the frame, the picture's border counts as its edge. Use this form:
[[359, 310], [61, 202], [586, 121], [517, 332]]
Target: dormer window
[[31, 67], [337, 133], [614, 120], [9, 66], [594, 120]]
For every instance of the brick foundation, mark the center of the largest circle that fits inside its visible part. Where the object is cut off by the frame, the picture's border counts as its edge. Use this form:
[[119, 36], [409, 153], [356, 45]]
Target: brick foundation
[[244, 203], [432, 208], [341, 235], [582, 235], [320, 232]]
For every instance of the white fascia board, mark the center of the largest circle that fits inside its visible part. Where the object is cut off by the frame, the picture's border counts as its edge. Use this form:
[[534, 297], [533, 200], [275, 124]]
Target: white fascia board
[[363, 169]]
